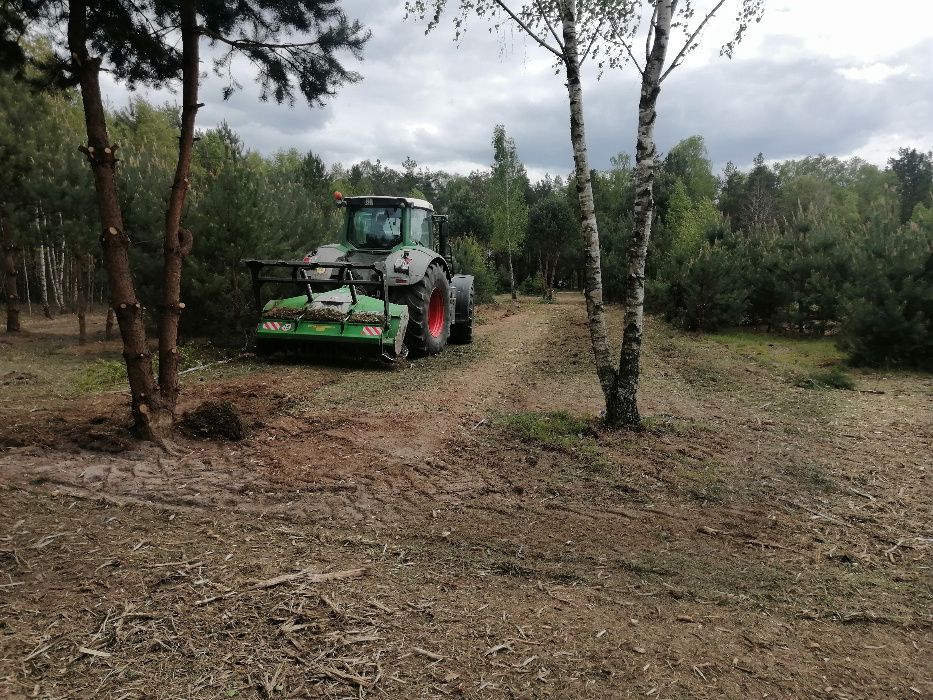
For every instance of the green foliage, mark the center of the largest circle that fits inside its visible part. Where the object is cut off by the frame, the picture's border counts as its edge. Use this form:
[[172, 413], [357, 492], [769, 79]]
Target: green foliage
[[888, 302], [532, 285], [914, 173], [470, 259], [508, 210], [689, 163], [708, 291]]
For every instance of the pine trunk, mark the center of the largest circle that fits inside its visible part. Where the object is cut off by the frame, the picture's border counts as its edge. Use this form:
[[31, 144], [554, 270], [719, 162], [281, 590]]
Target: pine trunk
[[178, 240], [593, 285], [8, 250], [81, 265], [152, 421], [622, 408], [43, 282]]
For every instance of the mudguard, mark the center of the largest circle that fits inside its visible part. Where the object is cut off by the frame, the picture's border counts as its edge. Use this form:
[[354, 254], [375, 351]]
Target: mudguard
[[417, 260]]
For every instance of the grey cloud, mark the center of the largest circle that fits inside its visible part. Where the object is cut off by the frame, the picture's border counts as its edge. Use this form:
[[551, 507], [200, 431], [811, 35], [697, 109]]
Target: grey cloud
[[424, 97]]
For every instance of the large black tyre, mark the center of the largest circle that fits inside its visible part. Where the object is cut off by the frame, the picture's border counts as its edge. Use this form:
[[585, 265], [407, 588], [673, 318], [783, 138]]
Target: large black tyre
[[462, 331], [428, 304]]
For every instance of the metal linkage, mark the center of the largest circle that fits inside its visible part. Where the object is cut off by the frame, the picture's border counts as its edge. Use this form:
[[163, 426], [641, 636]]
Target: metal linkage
[[298, 278]]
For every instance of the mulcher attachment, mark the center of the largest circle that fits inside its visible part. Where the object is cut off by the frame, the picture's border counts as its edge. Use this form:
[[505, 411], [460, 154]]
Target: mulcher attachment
[[341, 317]]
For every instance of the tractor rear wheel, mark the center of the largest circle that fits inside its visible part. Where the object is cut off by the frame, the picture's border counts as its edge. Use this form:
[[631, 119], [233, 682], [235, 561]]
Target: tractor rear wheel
[[428, 304], [462, 332]]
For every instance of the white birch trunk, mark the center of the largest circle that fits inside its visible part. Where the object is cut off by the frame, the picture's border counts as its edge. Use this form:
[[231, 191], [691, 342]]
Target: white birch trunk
[[61, 277], [593, 290], [622, 407], [43, 282], [53, 278], [26, 282]]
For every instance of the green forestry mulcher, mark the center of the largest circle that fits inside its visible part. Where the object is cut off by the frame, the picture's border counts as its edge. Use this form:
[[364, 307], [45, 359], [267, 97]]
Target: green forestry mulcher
[[386, 288]]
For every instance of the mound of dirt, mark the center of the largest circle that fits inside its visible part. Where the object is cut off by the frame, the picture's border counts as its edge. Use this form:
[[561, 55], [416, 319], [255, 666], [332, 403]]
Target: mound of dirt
[[214, 419]]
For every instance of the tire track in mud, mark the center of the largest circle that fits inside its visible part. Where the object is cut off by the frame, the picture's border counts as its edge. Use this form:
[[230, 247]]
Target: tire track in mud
[[385, 463]]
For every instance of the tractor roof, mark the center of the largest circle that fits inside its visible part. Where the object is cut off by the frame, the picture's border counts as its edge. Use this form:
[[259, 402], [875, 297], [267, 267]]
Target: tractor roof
[[388, 199]]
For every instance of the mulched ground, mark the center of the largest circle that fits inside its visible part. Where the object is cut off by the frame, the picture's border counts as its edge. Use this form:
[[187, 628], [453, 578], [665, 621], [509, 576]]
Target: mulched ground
[[757, 540]]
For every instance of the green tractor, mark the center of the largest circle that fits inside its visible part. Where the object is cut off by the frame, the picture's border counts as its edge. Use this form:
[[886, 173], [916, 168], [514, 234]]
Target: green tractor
[[385, 289]]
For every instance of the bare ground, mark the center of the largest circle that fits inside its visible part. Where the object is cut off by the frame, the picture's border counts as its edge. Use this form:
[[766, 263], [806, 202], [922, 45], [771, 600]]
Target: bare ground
[[757, 540]]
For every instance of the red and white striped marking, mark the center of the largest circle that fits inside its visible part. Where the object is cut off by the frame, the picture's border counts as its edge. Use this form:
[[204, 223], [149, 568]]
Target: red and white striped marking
[[372, 330], [271, 326]]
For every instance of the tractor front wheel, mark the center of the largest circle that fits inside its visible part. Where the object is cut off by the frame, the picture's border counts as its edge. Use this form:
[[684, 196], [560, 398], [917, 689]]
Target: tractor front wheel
[[428, 304]]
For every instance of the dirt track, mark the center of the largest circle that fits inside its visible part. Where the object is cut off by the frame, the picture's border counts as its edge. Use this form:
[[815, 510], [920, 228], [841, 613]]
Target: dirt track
[[757, 539]]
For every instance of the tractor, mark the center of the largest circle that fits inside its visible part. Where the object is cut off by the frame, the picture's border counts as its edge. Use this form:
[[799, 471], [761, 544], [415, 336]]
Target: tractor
[[386, 289]]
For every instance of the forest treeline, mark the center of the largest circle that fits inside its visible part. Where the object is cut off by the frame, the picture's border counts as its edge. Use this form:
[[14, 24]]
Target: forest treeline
[[814, 246]]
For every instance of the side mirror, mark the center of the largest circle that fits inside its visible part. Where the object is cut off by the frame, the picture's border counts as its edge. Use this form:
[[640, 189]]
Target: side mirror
[[442, 238]]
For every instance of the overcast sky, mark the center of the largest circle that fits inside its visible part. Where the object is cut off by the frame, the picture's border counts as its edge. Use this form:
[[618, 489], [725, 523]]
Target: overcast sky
[[841, 77]]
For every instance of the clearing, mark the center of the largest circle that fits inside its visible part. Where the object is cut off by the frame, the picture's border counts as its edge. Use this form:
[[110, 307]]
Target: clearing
[[462, 527]]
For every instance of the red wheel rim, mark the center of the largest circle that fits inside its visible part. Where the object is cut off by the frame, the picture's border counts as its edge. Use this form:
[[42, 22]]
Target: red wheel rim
[[436, 314]]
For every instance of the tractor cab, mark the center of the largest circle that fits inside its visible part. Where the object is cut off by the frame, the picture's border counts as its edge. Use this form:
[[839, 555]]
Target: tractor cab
[[380, 224]]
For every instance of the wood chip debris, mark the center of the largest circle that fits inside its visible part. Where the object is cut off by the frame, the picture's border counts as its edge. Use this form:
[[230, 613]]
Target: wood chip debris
[[309, 576]]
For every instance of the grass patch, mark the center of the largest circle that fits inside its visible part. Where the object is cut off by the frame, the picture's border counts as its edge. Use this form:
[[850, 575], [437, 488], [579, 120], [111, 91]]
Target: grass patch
[[665, 425], [812, 476], [558, 431], [832, 378], [703, 480], [551, 429], [779, 351], [100, 375]]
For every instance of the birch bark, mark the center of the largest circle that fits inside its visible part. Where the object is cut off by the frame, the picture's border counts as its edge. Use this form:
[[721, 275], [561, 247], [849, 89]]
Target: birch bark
[[593, 287], [622, 402], [43, 283]]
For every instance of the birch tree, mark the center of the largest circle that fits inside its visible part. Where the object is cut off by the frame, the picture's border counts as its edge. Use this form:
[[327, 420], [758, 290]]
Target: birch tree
[[572, 32], [606, 29], [506, 197]]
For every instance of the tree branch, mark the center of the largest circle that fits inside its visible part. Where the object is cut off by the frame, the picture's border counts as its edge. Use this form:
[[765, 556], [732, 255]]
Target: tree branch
[[678, 59], [626, 46], [654, 17], [548, 23], [593, 39], [244, 43], [541, 42]]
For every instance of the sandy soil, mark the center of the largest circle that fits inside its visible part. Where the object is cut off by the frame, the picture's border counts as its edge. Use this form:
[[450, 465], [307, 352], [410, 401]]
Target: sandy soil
[[757, 540]]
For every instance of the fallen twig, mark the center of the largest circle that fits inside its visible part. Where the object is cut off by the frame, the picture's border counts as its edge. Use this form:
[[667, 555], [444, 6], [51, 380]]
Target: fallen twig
[[309, 576]]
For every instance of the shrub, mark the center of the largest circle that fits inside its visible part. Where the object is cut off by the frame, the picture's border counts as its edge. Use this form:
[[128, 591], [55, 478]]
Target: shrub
[[470, 259], [833, 378]]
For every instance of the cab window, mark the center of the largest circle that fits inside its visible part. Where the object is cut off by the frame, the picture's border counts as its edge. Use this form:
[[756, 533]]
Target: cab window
[[375, 227], [421, 227]]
